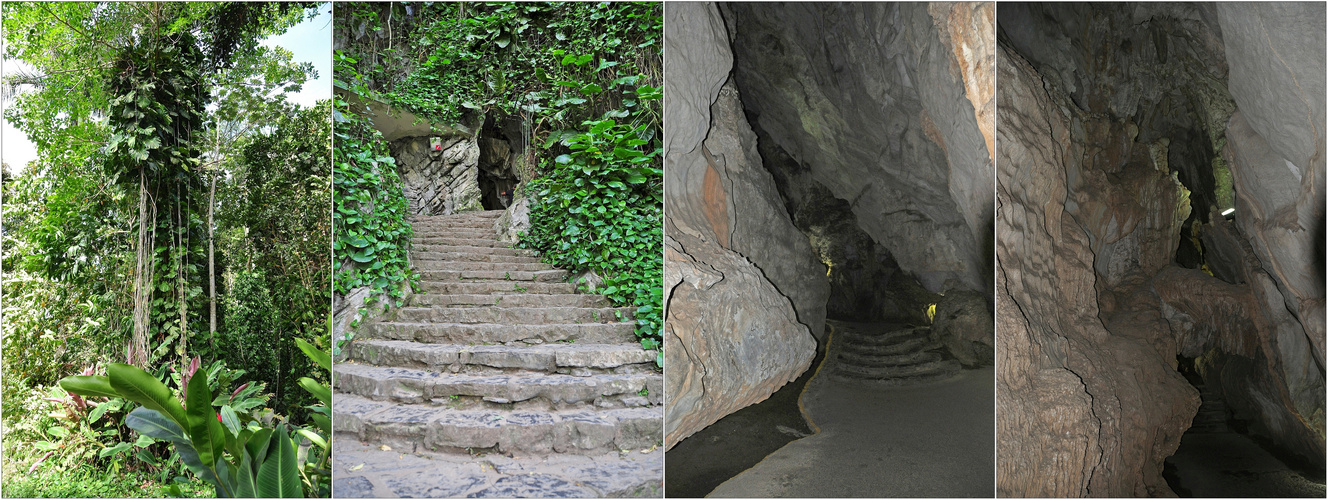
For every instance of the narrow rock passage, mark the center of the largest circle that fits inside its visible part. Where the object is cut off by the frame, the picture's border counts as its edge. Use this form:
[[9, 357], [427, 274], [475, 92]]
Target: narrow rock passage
[[1214, 460], [499, 380], [887, 437]]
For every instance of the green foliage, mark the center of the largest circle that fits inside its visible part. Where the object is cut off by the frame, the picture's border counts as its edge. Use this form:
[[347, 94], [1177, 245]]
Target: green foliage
[[86, 481], [275, 224], [232, 450], [546, 59], [124, 121], [372, 233], [601, 208], [250, 314]]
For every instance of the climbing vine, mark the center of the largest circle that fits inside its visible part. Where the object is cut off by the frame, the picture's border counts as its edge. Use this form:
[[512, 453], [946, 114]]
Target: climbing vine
[[601, 208], [372, 232]]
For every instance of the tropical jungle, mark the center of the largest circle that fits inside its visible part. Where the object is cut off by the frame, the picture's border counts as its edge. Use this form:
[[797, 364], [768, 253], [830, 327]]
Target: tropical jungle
[[166, 260]]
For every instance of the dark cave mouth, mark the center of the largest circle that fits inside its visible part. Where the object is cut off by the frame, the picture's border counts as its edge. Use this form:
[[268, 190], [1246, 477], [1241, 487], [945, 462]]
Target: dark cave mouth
[[497, 177], [1221, 451]]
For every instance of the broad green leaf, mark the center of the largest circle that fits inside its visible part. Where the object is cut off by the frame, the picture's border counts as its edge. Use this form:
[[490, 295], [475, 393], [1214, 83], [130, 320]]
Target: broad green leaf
[[313, 438], [204, 430], [279, 475], [112, 450], [153, 424], [89, 386], [138, 386], [244, 478], [230, 420], [319, 357], [259, 444], [319, 391]]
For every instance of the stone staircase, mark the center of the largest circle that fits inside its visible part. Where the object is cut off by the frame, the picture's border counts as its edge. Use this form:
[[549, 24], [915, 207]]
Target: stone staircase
[[497, 354], [888, 354]]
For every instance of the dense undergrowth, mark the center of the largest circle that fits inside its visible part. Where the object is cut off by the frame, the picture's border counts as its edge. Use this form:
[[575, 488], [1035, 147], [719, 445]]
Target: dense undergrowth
[[582, 80], [173, 215]]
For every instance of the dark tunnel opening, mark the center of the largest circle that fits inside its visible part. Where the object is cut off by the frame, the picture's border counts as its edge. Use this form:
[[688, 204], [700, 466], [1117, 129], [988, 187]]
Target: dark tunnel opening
[[496, 177]]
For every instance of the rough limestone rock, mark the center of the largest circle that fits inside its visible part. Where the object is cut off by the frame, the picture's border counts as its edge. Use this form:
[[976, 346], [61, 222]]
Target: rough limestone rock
[[515, 220], [439, 182], [963, 325], [759, 225], [1082, 408], [1276, 147], [1124, 127], [871, 99], [731, 337]]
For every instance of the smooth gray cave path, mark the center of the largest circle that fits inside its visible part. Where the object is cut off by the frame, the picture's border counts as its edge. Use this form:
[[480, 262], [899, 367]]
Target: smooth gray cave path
[[928, 440]]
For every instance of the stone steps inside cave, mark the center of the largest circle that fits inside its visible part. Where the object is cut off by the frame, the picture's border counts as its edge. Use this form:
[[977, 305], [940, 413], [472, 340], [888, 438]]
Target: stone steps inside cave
[[888, 355]]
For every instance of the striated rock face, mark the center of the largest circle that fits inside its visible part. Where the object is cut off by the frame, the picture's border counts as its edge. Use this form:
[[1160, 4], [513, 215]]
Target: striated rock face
[[1276, 150], [1118, 139], [877, 106], [1081, 407], [760, 228], [732, 335], [439, 182], [968, 29]]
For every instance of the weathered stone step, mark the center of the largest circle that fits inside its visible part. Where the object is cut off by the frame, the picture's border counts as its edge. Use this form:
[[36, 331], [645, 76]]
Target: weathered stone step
[[884, 338], [419, 428], [549, 276], [936, 369], [892, 360], [474, 214], [912, 344], [547, 357], [511, 300], [452, 232], [408, 385], [419, 256], [454, 333], [454, 265], [446, 240], [513, 315], [512, 252], [472, 217], [485, 287]]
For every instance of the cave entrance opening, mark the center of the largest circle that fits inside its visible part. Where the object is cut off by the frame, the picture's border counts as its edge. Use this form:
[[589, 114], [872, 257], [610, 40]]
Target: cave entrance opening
[[501, 146]]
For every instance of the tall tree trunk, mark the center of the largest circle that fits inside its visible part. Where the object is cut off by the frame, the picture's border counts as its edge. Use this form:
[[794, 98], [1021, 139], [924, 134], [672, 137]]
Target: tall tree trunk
[[212, 271], [138, 344], [182, 250]]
